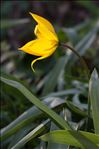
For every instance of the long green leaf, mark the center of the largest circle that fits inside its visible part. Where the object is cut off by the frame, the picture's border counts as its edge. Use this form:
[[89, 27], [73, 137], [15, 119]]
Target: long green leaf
[[94, 98], [28, 116], [55, 117], [64, 93], [53, 145], [75, 109], [91, 141], [31, 134], [20, 134]]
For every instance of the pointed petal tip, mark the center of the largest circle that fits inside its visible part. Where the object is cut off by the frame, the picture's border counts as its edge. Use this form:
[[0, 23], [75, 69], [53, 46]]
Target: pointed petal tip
[[39, 58], [19, 48], [32, 14], [32, 67]]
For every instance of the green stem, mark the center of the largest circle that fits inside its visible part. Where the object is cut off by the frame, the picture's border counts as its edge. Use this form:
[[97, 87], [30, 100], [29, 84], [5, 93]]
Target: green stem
[[79, 56], [86, 70]]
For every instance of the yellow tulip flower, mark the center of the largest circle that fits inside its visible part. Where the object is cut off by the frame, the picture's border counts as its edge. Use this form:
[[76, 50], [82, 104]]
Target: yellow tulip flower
[[45, 43]]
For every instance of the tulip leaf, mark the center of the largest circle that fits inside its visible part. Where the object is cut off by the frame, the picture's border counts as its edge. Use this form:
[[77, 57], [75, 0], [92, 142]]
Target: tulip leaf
[[32, 134], [64, 93], [20, 134], [28, 94], [94, 98], [27, 117], [75, 109], [73, 138], [53, 145]]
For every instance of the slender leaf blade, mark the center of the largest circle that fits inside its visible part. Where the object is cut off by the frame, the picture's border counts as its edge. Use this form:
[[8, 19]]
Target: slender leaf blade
[[94, 98], [31, 134], [27, 117], [73, 138], [55, 117]]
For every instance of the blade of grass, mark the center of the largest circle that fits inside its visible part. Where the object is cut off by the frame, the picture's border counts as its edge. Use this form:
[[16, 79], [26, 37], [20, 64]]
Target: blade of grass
[[75, 109], [28, 116], [55, 117], [20, 134], [64, 93], [94, 98], [81, 139], [35, 132]]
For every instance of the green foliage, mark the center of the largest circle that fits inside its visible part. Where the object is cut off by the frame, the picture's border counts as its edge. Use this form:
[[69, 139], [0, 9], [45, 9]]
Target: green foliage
[[73, 138], [52, 103], [94, 98]]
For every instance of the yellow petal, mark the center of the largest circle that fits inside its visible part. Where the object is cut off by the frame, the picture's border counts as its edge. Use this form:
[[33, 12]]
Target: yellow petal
[[44, 27], [38, 33], [40, 58], [43, 21], [50, 52], [39, 47]]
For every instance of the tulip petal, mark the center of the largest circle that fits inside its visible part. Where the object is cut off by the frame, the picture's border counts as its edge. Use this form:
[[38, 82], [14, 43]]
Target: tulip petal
[[46, 42], [39, 47], [38, 33], [44, 27], [50, 52], [43, 21], [39, 58]]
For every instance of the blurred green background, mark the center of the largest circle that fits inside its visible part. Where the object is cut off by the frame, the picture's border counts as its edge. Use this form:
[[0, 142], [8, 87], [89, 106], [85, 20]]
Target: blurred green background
[[77, 24]]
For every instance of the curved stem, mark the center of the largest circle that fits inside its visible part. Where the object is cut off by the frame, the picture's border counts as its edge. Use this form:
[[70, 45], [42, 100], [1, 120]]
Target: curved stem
[[80, 57], [87, 73]]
